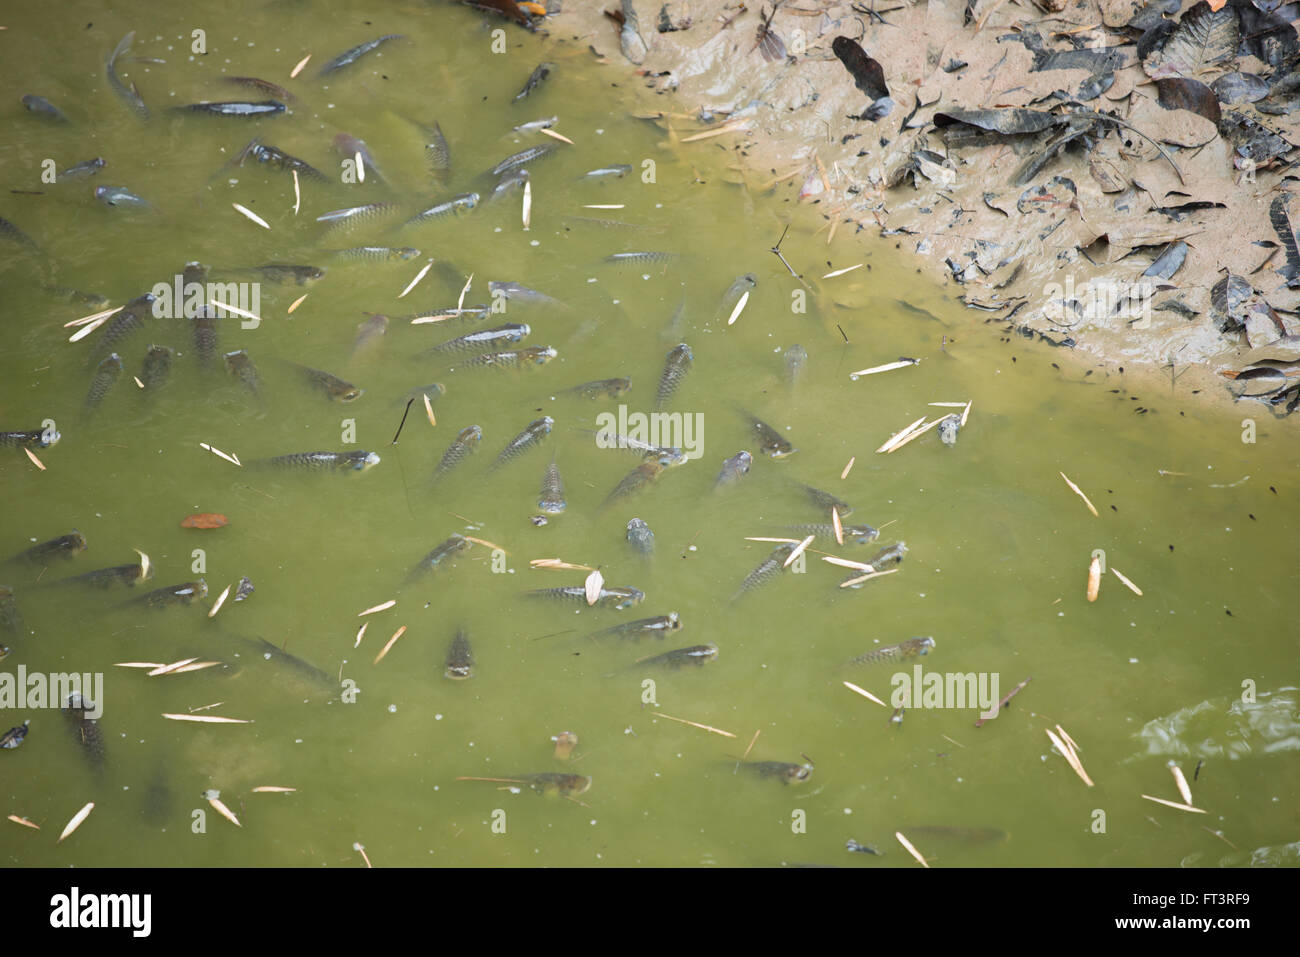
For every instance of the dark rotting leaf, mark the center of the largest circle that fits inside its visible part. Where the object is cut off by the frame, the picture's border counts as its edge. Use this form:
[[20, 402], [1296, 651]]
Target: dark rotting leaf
[[1277, 215], [1168, 262], [1239, 88], [868, 75], [1180, 93], [1202, 38], [1008, 121]]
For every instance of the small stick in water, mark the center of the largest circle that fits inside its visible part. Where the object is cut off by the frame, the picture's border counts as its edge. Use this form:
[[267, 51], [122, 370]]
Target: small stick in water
[[910, 849], [391, 641], [298, 69], [1094, 578], [1078, 491], [693, 724], [866, 694], [76, 820], [403, 422], [1003, 703]]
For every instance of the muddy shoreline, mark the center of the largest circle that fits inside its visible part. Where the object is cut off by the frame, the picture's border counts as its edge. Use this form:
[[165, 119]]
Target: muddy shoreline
[[1056, 256]]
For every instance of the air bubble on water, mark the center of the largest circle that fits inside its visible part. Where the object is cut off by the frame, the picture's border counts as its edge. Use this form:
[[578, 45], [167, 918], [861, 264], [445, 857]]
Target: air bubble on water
[[693, 548], [437, 717], [1132, 624], [600, 132], [497, 229], [510, 570], [392, 709], [645, 275], [617, 301], [535, 242], [659, 205], [297, 740], [853, 378], [1132, 661], [593, 824], [591, 279], [848, 810]]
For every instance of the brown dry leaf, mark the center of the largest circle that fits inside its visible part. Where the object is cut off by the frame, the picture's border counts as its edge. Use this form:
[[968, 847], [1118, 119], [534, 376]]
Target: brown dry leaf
[[205, 520]]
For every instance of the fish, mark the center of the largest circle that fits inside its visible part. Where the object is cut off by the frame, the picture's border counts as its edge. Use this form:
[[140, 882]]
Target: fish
[[65, 547], [84, 169], [120, 196], [742, 285], [616, 171], [888, 556], [204, 325], [532, 434], [128, 321], [603, 388], [460, 659], [733, 468], [912, 648], [666, 455], [461, 446], [349, 146], [30, 438], [457, 204], [106, 376], [437, 152], [11, 232], [826, 501], [244, 588], [825, 532], [157, 367], [130, 96], [679, 657], [656, 627], [542, 71], [795, 358], [331, 385], [126, 575], [948, 429], [852, 845], [304, 669], [508, 184], [348, 57], [512, 359], [677, 364], [14, 736], [610, 596], [338, 219], [357, 461], [369, 331], [379, 253], [439, 556], [535, 125], [640, 258], [241, 367], [43, 107], [262, 86], [186, 593], [522, 158], [787, 772], [767, 570], [644, 474], [4, 652], [234, 108], [484, 338], [515, 292], [770, 440], [548, 782], [11, 620], [640, 536], [956, 835], [472, 313], [278, 159], [86, 730], [287, 273], [552, 494]]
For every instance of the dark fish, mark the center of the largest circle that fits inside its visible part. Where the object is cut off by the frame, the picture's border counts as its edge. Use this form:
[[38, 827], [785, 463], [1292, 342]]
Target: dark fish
[[65, 546], [786, 772], [549, 782], [269, 652], [656, 627], [957, 835], [678, 363], [464, 443], [484, 338], [733, 468], [262, 86], [379, 253], [532, 434], [522, 158], [617, 171], [278, 159], [157, 367], [372, 329], [331, 385], [127, 575], [542, 71], [14, 736], [355, 215], [888, 556], [349, 146], [186, 593], [130, 96], [826, 501], [204, 325], [948, 429], [852, 845], [128, 321], [441, 554], [106, 376], [241, 367], [43, 107], [640, 536], [853, 534], [513, 359], [86, 168], [287, 272], [770, 440], [610, 596], [460, 659], [11, 620], [86, 730], [457, 204], [12, 233], [552, 495], [234, 108], [641, 476], [679, 657], [357, 461], [767, 570], [244, 588], [603, 388], [912, 648], [640, 258], [795, 358], [30, 438], [349, 57], [120, 196]]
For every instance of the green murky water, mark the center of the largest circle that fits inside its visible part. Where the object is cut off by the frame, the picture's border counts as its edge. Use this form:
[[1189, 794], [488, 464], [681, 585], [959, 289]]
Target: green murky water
[[998, 545]]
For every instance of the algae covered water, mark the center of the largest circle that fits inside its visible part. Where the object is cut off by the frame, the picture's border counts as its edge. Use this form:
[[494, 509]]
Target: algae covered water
[[772, 758]]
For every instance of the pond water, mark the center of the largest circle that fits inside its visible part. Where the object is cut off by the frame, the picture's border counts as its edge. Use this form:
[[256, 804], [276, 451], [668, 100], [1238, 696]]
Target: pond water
[[1196, 504]]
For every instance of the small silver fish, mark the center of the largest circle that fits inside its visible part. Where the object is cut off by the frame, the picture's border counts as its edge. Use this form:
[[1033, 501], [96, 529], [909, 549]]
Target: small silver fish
[[552, 497], [733, 468], [640, 536]]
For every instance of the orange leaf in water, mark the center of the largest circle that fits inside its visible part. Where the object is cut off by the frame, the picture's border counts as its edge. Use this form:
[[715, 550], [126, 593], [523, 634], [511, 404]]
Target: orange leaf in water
[[205, 520]]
